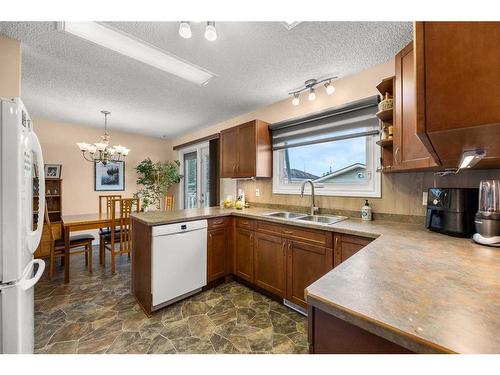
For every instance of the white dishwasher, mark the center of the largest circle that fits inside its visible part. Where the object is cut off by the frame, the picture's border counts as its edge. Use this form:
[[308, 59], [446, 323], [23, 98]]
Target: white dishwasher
[[178, 261]]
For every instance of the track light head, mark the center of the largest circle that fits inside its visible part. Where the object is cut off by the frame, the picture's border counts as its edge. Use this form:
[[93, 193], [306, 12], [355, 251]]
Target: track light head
[[312, 94], [330, 89], [210, 32], [296, 99], [185, 30]]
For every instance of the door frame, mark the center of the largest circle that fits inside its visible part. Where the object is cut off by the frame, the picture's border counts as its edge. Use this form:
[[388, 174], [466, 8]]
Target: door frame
[[180, 156]]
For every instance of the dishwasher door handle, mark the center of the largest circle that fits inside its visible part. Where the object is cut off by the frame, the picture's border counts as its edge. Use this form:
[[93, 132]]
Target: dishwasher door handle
[[177, 233]]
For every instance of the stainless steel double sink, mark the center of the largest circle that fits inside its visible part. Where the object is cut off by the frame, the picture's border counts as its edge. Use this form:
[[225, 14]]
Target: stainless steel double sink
[[322, 219]]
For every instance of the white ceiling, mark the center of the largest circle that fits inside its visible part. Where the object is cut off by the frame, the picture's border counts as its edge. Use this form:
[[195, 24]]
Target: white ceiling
[[68, 79]]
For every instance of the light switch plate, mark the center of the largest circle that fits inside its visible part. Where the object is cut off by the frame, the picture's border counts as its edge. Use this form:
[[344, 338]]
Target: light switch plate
[[424, 198], [257, 192]]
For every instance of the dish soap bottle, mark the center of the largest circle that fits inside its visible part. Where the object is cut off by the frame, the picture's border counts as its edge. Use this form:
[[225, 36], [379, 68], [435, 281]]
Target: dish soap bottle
[[366, 212]]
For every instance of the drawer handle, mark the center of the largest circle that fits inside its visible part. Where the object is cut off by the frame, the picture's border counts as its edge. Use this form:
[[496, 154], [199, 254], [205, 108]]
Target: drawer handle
[[288, 231], [218, 222], [245, 222]]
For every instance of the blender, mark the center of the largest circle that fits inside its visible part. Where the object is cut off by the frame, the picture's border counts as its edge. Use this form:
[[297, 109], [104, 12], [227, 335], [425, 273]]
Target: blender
[[487, 220]]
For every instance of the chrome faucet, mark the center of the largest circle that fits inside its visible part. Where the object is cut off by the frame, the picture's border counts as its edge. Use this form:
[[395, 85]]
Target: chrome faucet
[[313, 207]]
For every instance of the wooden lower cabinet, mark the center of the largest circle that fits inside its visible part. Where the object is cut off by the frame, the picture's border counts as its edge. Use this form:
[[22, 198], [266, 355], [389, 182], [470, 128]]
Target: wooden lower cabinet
[[328, 334], [270, 263], [346, 245], [306, 263], [43, 250], [244, 254], [217, 248]]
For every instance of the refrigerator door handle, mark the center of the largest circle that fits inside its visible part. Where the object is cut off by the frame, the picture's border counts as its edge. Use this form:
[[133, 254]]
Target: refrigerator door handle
[[26, 284], [34, 236]]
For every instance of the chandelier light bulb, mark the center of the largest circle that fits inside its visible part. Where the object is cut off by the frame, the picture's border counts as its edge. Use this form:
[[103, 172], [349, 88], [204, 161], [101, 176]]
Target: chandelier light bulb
[[210, 32], [296, 100], [92, 149], [312, 95], [83, 146], [185, 30], [330, 89]]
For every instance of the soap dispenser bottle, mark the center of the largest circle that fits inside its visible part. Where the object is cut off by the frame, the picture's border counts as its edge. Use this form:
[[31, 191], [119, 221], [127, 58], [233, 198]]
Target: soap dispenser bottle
[[366, 212]]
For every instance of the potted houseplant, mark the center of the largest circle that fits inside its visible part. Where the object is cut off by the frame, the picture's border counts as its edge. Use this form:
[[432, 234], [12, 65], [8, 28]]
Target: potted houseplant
[[156, 178]]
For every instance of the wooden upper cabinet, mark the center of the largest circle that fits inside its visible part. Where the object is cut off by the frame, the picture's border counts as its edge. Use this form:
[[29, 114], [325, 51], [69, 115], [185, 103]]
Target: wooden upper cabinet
[[458, 89], [270, 263], [246, 151], [306, 263], [409, 151], [228, 153]]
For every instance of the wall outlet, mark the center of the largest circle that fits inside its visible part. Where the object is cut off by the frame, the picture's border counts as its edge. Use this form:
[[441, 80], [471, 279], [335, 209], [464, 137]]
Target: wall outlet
[[257, 192], [424, 198]]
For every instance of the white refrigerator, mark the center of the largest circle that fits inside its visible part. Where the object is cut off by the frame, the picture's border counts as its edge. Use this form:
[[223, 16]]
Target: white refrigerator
[[20, 154]]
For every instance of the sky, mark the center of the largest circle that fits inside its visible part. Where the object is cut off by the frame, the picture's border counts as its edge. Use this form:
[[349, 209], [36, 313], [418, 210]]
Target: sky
[[318, 158]]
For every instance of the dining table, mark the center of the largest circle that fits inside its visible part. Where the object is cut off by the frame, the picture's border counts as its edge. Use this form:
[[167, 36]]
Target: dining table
[[81, 222]]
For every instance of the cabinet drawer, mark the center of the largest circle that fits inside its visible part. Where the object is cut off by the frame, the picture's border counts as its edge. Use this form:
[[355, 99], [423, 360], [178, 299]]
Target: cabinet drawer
[[356, 239], [317, 237], [244, 223], [218, 222]]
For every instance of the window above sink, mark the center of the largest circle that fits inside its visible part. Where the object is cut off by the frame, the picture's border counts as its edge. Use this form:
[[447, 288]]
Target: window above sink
[[336, 149]]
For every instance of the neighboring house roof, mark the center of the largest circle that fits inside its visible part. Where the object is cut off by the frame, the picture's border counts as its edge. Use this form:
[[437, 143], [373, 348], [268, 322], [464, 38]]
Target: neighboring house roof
[[300, 175], [340, 172]]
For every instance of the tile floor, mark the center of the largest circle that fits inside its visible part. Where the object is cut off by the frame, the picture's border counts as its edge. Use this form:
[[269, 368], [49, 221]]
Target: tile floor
[[98, 314]]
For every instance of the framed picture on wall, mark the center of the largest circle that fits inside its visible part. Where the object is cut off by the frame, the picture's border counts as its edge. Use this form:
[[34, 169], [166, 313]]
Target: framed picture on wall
[[52, 171], [109, 177]]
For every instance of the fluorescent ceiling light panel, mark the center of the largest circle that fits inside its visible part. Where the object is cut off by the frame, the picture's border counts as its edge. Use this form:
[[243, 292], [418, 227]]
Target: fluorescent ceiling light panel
[[137, 49]]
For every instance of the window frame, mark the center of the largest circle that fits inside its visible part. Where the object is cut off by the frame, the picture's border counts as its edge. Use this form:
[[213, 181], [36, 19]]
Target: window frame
[[370, 190]]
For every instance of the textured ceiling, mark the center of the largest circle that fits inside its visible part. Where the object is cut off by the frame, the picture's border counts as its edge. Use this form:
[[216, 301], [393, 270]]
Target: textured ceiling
[[68, 79]]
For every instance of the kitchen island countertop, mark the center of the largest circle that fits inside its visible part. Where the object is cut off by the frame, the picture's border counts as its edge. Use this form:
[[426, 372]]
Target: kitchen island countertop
[[425, 291]]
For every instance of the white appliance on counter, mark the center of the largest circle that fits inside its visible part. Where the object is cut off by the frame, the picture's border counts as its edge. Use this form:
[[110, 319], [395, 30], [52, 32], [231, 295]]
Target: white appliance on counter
[[178, 261], [19, 149]]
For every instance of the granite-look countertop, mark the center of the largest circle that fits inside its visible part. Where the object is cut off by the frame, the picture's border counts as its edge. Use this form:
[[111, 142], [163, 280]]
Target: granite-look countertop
[[422, 290]]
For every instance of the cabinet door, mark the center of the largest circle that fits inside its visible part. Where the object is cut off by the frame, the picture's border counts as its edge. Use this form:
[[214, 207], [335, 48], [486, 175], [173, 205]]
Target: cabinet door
[[228, 153], [346, 246], [247, 149], [409, 151], [270, 263], [243, 254], [458, 88], [217, 247], [306, 263]]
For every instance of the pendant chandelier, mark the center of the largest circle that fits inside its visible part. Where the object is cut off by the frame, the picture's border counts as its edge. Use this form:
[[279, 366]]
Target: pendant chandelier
[[102, 152]]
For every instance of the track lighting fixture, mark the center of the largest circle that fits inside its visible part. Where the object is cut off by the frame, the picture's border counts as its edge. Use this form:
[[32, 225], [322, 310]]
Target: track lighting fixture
[[185, 30], [186, 33], [210, 32], [311, 85]]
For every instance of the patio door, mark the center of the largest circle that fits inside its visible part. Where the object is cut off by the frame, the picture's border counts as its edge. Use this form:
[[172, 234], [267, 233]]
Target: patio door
[[195, 167]]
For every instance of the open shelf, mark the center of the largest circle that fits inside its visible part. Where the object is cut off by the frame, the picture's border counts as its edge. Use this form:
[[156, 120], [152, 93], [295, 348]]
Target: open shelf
[[385, 116], [386, 85], [385, 142]]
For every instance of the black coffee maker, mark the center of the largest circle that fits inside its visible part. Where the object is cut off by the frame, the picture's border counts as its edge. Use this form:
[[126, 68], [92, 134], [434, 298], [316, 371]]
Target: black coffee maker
[[451, 211]]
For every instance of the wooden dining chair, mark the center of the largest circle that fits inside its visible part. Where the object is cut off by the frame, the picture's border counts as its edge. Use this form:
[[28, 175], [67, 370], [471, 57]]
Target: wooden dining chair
[[83, 242], [105, 202], [120, 218], [169, 203]]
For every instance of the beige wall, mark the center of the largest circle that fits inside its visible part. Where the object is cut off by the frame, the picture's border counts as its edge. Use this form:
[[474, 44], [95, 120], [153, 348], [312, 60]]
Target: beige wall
[[10, 68], [58, 142], [401, 193]]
